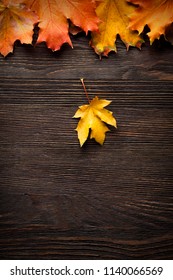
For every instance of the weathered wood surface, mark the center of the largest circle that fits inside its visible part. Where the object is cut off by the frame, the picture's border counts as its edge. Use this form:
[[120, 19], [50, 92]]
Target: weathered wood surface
[[59, 201]]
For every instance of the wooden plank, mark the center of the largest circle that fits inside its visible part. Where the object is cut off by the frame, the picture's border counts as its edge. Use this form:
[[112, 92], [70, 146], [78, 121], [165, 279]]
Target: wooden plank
[[152, 63], [59, 201]]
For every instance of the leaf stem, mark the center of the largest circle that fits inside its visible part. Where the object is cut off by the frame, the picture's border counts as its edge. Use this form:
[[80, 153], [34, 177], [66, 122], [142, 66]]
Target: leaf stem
[[82, 81]]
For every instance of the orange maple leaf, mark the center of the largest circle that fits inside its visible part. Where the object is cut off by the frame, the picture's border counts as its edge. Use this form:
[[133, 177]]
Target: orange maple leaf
[[157, 14], [16, 23], [54, 15]]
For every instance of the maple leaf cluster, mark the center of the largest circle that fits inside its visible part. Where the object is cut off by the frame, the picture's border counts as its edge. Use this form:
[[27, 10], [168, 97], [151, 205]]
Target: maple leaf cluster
[[105, 19]]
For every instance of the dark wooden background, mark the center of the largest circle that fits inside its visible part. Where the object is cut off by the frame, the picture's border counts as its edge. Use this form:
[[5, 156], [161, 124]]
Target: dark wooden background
[[59, 201]]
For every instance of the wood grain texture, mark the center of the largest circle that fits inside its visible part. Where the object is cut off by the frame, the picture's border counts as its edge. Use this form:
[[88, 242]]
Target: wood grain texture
[[59, 201]]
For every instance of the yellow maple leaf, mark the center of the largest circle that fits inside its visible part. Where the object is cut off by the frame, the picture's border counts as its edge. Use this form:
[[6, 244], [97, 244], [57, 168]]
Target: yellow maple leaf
[[16, 23], [114, 20], [54, 16], [157, 14], [93, 116]]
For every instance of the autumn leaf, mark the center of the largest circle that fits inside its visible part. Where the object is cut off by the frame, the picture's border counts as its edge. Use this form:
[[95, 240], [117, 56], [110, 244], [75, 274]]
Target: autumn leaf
[[93, 117], [16, 23], [157, 14], [54, 16], [114, 20]]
